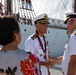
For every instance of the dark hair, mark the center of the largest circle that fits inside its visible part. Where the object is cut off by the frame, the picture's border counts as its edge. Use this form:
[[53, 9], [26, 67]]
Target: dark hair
[[8, 25]]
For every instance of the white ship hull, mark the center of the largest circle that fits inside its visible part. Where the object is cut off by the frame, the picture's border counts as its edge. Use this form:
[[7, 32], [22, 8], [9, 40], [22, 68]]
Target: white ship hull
[[57, 38]]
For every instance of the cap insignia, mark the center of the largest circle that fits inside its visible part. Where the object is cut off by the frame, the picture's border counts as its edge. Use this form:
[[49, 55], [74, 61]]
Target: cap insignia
[[45, 17]]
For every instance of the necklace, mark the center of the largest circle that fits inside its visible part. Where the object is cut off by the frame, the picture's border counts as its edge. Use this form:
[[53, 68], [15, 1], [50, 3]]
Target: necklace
[[40, 42]]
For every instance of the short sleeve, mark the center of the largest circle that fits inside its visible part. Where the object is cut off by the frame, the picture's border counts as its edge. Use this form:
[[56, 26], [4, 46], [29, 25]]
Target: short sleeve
[[29, 45], [73, 45]]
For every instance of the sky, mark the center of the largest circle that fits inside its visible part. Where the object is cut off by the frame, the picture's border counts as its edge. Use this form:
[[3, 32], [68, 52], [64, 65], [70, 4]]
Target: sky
[[54, 8]]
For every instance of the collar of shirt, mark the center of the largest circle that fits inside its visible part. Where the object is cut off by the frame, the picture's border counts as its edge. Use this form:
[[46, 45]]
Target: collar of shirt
[[74, 32]]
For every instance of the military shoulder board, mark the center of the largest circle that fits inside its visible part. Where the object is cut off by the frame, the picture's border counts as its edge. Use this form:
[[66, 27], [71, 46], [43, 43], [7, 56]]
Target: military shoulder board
[[74, 33], [33, 37]]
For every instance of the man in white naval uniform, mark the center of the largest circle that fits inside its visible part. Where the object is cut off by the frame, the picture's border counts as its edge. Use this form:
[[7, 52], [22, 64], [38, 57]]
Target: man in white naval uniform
[[69, 57], [37, 43]]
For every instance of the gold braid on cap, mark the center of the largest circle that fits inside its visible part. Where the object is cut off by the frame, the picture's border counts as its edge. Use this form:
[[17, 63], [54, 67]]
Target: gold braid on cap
[[68, 17], [43, 20], [45, 17]]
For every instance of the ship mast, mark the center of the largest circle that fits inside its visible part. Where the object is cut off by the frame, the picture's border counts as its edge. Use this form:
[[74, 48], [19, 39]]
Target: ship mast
[[75, 6]]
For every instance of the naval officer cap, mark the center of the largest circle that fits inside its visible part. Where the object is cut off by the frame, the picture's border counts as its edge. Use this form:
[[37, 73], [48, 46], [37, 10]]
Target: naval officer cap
[[43, 19], [69, 15]]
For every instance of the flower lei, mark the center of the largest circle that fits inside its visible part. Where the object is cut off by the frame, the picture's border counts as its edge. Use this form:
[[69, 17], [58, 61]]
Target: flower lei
[[44, 49]]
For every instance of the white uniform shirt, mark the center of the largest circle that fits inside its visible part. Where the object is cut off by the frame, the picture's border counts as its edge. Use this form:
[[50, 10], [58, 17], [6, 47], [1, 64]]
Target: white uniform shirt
[[12, 59], [34, 47], [70, 50]]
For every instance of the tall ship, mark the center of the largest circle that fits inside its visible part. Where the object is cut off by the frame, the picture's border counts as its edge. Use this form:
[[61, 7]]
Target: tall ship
[[57, 33]]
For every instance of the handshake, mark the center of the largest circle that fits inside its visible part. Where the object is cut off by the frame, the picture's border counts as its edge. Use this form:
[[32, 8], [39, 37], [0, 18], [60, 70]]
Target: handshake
[[52, 61]]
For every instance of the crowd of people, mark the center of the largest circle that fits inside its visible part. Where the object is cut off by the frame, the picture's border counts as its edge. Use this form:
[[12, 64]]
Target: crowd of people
[[35, 59], [25, 4], [16, 16]]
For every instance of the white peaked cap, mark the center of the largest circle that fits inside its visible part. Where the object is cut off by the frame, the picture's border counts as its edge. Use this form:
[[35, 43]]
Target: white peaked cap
[[43, 18], [69, 15]]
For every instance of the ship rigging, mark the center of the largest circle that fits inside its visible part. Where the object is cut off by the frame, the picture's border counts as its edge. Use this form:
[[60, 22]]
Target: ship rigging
[[27, 15]]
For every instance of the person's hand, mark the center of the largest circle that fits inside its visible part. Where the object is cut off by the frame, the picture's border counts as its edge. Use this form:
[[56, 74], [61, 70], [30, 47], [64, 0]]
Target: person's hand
[[50, 63], [58, 60]]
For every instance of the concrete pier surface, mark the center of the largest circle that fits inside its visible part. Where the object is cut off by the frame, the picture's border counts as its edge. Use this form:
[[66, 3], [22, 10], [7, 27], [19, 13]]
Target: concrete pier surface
[[56, 70]]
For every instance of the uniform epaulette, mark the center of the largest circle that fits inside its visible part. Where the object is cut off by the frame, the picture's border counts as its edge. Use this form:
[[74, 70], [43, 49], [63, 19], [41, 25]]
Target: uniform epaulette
[[74, 33], [33, 37], [44, 36]]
